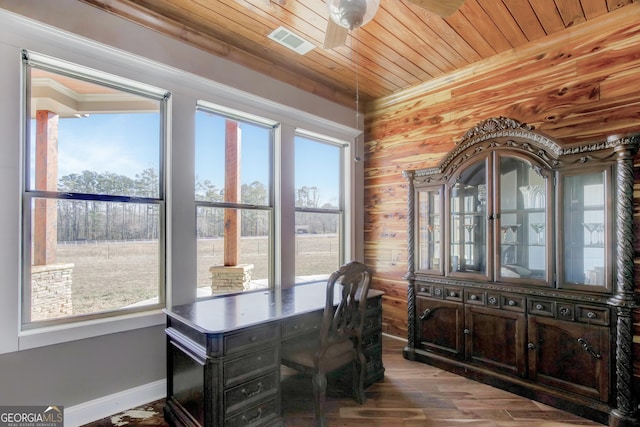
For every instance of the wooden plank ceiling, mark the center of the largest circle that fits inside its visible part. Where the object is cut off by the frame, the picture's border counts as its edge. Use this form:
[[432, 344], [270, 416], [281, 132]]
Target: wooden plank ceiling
[[404, 45]]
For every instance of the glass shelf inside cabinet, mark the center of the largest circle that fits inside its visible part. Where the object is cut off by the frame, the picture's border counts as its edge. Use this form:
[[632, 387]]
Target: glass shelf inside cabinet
[[429, 230], [522, 230], [468, 203], [584, 226]]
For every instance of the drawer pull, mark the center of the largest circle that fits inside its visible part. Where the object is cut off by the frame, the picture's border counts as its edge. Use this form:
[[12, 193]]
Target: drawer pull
[[257, 391], [474, 297], [531, 346], [248, 420], [591, 315], [438, 292], [423, 290], [539, 306], [466, 331], [586, 345], [493, 301], [253, 338], [565, 312], [511, 303], [453, 294]]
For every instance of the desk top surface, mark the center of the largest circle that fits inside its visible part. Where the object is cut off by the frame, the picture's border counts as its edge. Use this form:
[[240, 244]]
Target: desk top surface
[[231, 312]]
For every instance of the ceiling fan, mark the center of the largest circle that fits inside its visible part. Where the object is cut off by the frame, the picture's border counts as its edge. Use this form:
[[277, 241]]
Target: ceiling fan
[[345, 15]]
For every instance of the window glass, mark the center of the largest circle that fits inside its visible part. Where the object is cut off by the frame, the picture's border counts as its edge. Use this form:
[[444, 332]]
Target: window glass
[[233, 168], [319, 208], [93, 197]]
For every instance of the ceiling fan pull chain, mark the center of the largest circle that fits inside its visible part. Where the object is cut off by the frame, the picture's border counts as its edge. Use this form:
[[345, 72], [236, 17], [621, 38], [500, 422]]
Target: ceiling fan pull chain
[[354, 52]]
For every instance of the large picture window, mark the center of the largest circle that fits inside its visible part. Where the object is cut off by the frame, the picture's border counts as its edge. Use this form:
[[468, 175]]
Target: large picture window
[[234, 201], [319, 202], [93, 199]]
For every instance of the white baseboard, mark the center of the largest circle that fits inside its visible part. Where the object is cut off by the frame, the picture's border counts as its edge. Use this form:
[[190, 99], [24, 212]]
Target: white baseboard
[[395, 337], [105, 406]]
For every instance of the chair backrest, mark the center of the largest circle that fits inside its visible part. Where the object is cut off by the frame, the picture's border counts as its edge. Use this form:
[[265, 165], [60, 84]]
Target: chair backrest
[[350, 283]]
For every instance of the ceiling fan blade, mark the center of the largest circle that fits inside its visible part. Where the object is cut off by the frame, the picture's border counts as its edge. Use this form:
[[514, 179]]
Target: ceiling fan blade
[[443, 8], [335, 35]]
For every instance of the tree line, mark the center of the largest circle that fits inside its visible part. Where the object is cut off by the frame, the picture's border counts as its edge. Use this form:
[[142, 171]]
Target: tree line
[[102, 220]]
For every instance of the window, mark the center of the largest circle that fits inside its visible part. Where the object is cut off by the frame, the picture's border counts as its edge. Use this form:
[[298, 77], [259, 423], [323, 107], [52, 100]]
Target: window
[[319, 204], [234, 201], [93, 199]]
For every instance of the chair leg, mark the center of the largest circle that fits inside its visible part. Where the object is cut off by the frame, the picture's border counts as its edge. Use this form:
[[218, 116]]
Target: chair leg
[[359, 365], [320, 396]]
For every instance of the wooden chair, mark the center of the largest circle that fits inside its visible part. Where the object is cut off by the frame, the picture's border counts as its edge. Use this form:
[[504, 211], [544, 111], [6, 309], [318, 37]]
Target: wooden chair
[[339, 341]]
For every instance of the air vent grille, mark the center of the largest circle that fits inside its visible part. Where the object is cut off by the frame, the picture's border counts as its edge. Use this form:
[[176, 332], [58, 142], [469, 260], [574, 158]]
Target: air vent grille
[[291, 40]]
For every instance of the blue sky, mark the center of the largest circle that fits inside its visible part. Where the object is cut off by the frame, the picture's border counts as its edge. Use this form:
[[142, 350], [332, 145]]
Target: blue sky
[[126, 144]]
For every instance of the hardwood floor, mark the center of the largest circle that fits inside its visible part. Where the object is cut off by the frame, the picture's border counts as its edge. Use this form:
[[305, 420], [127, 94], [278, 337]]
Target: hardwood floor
[[412, 394]]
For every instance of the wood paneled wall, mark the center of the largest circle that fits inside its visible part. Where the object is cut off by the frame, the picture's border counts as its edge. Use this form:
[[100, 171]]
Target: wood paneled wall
[[581, 85]]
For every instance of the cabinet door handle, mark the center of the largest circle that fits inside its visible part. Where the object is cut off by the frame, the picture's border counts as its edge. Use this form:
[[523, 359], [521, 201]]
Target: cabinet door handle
[[531, 346], [427, 313], [586, 345], [466, 331]]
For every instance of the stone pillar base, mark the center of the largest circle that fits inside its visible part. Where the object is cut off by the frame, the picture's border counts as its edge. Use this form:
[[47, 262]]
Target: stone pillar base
[[51, 295], [225, 279]]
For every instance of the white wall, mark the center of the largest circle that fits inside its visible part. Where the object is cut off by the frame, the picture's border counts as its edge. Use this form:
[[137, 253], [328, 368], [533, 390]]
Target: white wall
[[71, 366]]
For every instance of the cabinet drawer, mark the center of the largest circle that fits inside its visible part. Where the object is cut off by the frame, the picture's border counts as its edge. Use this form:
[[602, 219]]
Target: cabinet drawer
[[506, 301], [541, 307], [255, 416], [453, 293], [473, 296], [429, 290], [252, 337], [301, 325], [592, 315], [244, 395], [513, 303], [246, 367]]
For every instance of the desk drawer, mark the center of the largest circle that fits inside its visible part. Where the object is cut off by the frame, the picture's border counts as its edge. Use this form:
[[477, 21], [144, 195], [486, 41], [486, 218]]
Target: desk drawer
[[251, 337], [259, 415], [244, 368], [243, 395], [301, 324]]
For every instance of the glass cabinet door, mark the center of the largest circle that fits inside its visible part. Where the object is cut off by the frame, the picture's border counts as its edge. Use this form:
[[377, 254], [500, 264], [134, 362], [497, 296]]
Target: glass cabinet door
[[468, 210], [429, 231], [584, 230], [521, 221]]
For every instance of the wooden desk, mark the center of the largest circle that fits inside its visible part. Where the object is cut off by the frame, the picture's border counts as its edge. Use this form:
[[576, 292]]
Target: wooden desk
[[223, 353]]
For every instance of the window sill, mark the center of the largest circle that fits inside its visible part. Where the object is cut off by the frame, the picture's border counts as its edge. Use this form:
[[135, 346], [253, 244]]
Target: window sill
[[50, 335]]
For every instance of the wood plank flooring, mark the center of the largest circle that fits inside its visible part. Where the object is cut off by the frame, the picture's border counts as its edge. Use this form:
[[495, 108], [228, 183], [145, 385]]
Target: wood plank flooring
[[412, 394]]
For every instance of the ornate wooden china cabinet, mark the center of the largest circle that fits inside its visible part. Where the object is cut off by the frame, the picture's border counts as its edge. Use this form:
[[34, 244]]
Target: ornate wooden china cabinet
[[521, 267]]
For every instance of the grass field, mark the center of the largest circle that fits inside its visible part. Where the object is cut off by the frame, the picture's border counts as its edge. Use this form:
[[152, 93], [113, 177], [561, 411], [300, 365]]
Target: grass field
[[110, 275]]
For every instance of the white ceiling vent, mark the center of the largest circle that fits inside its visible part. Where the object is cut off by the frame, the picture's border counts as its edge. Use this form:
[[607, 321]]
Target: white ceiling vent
[[290, 40]]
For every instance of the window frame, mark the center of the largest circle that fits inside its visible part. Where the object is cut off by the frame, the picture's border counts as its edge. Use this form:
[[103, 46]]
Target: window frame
[[28, 327], [272, 126], [342, 196]]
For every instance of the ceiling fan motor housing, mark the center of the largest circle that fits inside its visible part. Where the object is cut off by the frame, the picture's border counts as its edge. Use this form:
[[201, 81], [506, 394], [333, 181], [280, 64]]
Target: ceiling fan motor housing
[[352, 13]]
